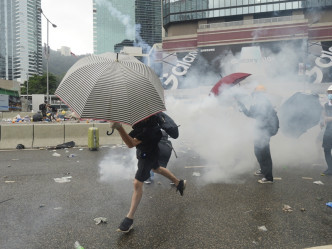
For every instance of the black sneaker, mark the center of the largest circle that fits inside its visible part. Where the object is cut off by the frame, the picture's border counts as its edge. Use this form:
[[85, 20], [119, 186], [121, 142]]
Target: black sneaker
[[126, 225], [181, 186]]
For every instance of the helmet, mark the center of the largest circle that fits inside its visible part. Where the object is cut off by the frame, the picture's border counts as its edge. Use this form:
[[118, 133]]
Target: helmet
[[330, 88], [260, 88]]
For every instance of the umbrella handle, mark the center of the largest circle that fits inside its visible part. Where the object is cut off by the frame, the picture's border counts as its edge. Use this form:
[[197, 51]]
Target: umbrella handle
[[108, 133]]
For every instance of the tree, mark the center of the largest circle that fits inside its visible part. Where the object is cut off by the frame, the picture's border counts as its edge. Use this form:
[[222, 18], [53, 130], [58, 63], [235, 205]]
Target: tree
[[38, 84]]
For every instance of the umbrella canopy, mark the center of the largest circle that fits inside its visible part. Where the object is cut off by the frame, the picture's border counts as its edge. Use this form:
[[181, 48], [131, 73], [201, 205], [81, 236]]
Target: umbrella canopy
[[112, 87], [231, 79], [299, 113]]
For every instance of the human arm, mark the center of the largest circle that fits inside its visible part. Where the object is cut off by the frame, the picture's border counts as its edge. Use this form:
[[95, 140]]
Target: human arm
[[128, 140]]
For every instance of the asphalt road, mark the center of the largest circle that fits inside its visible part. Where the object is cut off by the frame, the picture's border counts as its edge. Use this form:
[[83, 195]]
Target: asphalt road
[[38, 212]]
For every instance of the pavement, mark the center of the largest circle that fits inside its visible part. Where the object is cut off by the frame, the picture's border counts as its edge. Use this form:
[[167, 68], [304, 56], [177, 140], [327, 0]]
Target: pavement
[[36, 211]]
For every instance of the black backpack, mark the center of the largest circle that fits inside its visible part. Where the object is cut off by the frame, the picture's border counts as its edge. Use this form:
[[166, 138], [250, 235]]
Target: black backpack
[[273, 123], [168, 125]]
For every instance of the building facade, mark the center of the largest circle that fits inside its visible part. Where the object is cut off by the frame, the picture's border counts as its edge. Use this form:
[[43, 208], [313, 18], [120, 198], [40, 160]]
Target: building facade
[[212, 27], [20, 35]]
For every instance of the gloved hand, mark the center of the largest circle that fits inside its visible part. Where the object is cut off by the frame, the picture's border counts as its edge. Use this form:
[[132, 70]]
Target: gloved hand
[[116, 126]]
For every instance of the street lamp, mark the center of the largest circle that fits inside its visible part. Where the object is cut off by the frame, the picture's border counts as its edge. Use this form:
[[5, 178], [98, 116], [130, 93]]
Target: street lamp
[[47, 53]]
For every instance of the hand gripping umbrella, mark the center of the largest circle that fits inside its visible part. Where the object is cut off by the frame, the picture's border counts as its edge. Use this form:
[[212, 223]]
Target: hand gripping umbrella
[[112, 87], [231, 79]]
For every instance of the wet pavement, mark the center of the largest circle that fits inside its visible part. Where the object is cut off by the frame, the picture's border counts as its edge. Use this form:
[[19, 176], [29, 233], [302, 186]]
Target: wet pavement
[[38, 212]]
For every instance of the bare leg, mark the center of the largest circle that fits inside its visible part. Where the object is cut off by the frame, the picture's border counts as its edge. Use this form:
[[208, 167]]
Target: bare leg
[[136, 198], [165, 172]]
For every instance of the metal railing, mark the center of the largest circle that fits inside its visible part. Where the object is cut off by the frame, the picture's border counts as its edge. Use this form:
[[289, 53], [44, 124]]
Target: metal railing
[[252, 21]]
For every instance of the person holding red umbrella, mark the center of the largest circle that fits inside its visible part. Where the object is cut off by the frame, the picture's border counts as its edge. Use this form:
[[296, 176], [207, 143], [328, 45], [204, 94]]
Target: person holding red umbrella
[[267, 124]]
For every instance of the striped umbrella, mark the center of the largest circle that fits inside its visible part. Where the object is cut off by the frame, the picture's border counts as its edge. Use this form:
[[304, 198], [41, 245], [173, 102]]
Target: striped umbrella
[[112, 87]]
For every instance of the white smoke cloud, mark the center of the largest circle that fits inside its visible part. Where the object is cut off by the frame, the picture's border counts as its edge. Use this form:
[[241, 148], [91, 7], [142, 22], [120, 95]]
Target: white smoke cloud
[[223, 137]]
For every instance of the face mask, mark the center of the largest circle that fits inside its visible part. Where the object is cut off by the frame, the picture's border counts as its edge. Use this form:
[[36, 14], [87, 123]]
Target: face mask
[[329, 96]]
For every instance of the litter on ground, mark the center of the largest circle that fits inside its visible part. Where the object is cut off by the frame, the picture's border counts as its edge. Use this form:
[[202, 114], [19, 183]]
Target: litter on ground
[[262, 228], [100, 220], [287, 208], [63, 179]]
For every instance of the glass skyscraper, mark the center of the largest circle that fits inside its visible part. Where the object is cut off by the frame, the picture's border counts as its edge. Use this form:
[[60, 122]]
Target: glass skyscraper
[[148, 17], [20, 39], [113, 22]]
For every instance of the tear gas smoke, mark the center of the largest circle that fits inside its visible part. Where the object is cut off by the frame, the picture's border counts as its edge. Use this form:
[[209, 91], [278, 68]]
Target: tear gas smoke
[[222, 136]]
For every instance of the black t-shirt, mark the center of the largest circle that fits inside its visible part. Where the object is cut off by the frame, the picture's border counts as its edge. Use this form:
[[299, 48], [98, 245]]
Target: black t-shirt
[[149, 133]]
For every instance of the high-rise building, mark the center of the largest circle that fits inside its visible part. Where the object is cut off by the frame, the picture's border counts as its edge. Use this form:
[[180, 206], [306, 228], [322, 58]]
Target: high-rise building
[[113, 22], [20, 39], [149, 20]]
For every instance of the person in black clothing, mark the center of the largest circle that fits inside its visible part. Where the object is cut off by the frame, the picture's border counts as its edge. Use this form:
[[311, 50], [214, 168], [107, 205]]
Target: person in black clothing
[[145, 136], [261, 110], [327, 138], [43, 108]]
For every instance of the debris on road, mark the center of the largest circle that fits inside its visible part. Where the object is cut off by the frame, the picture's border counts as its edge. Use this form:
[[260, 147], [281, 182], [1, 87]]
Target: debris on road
[[262, 228], [318, 182], [196, 174], [302, 209], [100, 220], [306, 178], [9, 181], [329, 204], [72, 155], [56, 154], [77, 245], [287, 208], [63, 179]]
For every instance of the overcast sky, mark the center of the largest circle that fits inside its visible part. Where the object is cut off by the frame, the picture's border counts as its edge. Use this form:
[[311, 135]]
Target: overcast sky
[[74, 24]]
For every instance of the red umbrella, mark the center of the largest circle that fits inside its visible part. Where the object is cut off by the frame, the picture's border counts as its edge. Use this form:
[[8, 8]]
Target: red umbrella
[[231, 79]]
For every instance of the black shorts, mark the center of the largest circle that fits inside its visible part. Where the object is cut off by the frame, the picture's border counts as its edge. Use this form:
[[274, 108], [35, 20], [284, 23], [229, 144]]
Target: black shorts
[[144, 167]]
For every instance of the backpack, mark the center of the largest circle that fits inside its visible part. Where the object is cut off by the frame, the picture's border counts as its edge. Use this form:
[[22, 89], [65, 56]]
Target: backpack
[[168, 125], [272, 123]]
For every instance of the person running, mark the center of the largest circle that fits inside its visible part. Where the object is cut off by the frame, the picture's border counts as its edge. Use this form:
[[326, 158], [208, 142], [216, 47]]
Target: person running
[[145, 136], [327, 138], [262, 110]]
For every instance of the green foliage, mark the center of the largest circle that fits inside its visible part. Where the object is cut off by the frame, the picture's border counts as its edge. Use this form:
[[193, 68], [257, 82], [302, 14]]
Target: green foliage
[[38, 84]]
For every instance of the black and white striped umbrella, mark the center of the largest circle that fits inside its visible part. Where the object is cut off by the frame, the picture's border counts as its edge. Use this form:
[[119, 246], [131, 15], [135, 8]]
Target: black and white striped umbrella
[[112, 87]]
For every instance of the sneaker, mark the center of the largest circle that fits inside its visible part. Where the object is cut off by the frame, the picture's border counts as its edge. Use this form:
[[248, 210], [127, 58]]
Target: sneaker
[[258, 173], [181, 186], [148, 181], [326, 173], [264, 180], [126, 225]]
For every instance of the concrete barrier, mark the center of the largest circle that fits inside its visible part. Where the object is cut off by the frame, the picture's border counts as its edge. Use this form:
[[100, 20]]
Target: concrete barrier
[[14, 134], [77, 133], [35, 135], [48, 135]]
